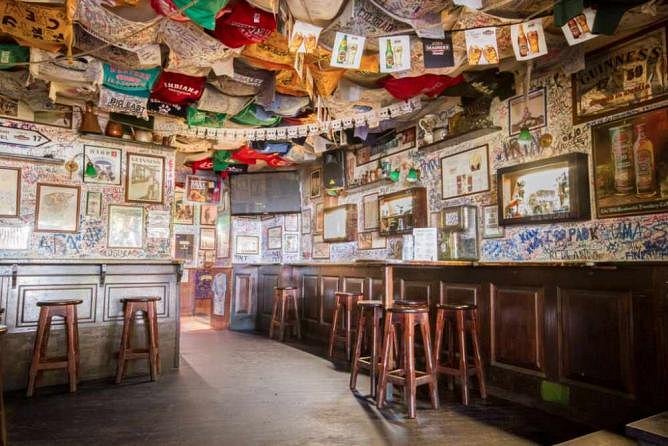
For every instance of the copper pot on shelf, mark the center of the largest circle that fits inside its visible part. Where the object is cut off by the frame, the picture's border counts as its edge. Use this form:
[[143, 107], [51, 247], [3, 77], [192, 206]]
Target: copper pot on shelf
[[114, 129], [89, 122]]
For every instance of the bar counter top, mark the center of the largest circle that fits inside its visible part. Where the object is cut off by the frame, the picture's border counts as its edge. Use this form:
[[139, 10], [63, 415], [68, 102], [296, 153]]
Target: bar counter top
[[461, 263]]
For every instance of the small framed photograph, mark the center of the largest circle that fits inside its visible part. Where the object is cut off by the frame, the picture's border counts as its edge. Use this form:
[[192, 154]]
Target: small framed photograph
[[465, 173], [378, 241], [247, 245], [126, 227], [57, 208], [223, 236], [201, 189], [184, 247], [275, 237], [184, 212], [59, 116], [370, 211], [208, 214], [490, 222], [306, 221], [10, 191], [291, 245], [107, 164], [291, 223], [207, 238], [93, 204], [145, 179], [320, 250], [315, 183], [530, 112], [364, 240], [319, 218]]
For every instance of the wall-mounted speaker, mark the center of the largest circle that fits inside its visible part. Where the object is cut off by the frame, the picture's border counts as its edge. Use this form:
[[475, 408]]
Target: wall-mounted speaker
[[333, 169]]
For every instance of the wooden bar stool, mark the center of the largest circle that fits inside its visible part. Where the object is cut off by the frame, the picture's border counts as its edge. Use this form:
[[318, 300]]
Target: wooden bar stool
[[3, 423], [345, 300], [405, 318], [280, 316], [147, 306], [67, 309], [368, 310], [460, 319]]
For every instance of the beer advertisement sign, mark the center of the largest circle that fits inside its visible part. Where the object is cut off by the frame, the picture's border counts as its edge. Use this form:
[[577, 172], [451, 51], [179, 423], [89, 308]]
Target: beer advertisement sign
[[395, 54], [481, 46], [631, 165], [621, 76], [347, 51], [528, 39]]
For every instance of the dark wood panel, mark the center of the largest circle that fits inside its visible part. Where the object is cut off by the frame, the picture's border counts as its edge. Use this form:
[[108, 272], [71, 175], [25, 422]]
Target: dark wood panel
[[517, 327], [376, 289], [311, 296], [353, 284], [330, 285], [415, 290], [459, 293], [595, 338], [243, 298], [267, 283]]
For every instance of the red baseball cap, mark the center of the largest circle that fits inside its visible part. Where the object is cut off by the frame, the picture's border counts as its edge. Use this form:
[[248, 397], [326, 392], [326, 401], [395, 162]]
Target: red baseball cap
[[429, 84], [176, 88], [244, 25]]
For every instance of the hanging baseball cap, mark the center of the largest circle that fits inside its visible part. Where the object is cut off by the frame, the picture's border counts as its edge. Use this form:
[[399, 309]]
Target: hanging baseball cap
[[256, 116], [202, 12], [429, 84], [176, 88], [244, 25]]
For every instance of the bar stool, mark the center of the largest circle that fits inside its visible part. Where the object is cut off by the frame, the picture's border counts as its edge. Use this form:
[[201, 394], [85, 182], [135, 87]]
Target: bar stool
[[459, 318], [373, 310], [67, 309], [405, 318], [3, 423], [280, 316], [345, 300], [147, 306]]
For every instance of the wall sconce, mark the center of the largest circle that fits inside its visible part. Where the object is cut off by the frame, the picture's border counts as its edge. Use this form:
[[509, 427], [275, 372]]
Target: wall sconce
[[72, 166]]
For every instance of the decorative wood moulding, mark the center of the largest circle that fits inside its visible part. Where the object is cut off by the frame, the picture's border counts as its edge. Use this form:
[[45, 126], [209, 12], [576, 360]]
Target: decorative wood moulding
[[453, 140], [32, 159]]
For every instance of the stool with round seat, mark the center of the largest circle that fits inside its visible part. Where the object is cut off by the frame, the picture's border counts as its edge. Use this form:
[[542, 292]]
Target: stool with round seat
[[3, 423], [345, 302], [147, 306], [284, 297], [405, 318], [369, 311], [67, 309], [460, 318]]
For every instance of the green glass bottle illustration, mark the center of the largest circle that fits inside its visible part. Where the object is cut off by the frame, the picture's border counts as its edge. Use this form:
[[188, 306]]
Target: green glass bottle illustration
[[343, 50], [389, 55]]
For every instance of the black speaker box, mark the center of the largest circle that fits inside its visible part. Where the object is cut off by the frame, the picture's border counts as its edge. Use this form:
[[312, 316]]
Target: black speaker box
[[333, 169]]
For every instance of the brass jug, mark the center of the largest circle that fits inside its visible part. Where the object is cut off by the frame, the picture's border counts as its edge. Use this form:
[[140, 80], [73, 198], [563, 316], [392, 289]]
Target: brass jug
[[89, 122]]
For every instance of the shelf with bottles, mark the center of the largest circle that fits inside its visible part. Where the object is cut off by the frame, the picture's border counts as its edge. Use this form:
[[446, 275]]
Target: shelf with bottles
[[402, 211]]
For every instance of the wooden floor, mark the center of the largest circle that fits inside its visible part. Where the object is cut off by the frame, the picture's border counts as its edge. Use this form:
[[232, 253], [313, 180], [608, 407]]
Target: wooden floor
[[243, 389]]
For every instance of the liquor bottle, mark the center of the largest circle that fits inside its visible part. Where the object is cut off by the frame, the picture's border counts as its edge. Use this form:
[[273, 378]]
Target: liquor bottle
[[582, 21], [343, 50], [643, 156], [621, 145], [522, 41], [389, 55]]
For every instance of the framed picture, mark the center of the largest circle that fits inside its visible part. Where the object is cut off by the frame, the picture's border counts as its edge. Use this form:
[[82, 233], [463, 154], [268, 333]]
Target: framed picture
[[340, 223], [465, 173], [551, 190], [490, 222], [10, 191], [184, 212], [320, 250], [93, 204], [184, 247], [107, 164], [275, 237], [208, 214], [306, 221], [378, 241], [126, 227], [319, 219], [207, 238], [402, 211], [530, 112], [630, 159], [370, 212], [145, 179], [223, 236], [60, 116], [364, 240], [612, 82], [291, 245], [391, 144], [291, 222], [201, 189], [315, 183], [57, 208], [247, 244]]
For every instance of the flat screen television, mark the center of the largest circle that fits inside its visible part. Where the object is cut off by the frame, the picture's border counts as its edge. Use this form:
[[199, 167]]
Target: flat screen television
[[265, 193]]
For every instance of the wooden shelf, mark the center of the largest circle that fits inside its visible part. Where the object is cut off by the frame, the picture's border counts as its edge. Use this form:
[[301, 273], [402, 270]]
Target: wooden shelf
[[114, 140], [369, 184], [453, 140], [33, 159]]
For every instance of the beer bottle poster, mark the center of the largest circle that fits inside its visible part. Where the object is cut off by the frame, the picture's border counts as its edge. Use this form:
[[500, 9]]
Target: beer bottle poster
[[578, 29], [481, 47], [394, 53], [528, 39], [347, 51], [438, 52], [304, 38]]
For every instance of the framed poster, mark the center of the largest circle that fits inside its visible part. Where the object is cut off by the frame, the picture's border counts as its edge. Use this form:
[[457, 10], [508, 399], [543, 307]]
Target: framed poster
[[364, 240], [157, 224], [184, 247], [530, 113], [10, 191], [315, 183], [400, 141], [490, 222], [107, 164], [223, 236], [126, 227], [291, 244], [93, 204], [378, 241], [201, 189], [306, 221], [184, 212], [465, 173], [57, 208], [613, 81], [319, 219], [275, 237], [320, 250], [207, 238], [630, 159], [247, 244], [208, 214], [60, 116], [340, 223], [145, 179], [370, 211], [291, 222]]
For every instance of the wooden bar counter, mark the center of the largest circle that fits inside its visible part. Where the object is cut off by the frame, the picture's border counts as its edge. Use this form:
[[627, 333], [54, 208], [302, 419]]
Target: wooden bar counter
[[585, 340]]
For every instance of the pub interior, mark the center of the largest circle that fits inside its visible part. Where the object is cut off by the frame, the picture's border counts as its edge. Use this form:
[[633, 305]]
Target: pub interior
[[296, 222]]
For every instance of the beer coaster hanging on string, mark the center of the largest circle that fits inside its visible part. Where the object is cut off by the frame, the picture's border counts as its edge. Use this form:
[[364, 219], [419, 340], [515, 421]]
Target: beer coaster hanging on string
[[347, 51], [481, 46], [578, 29], [395, 54], [304, 38], [528, 39]]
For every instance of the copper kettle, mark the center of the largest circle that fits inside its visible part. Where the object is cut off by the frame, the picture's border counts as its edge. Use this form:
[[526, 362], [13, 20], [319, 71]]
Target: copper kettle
[[89, 122], [114, 129]]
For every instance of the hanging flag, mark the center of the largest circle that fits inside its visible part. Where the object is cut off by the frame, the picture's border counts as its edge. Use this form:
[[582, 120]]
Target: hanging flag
[[438, 53], [304, 38], [528, 39], [394, 53], [481, 47], [136, 82], [178, 88], [578, 28], [348, 50], [473, 4], [45, 27]]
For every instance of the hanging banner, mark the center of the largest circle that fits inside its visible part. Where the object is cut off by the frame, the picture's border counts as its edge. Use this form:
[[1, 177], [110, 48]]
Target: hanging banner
[[136, 82], [137, 57], [304, 38], [481, 47], [108, 26], [51, 67], [395, 53], [45, 27], [348, 50], [528, 39], [578, 29], [438, 53], [114, 101]]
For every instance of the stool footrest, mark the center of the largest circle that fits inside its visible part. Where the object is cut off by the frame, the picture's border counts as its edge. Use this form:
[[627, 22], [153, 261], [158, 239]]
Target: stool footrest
[[454, 371], [52, 363]]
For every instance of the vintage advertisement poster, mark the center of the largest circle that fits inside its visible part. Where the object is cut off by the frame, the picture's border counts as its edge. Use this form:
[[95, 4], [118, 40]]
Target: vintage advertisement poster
[[465, 173], [304, 38], [578, 29], [347, 51], [184, 247], [107, 164], [528, 39], [481, 47], [201, 189], [57, 208], [395, 53], [145, 178], [126, 227], [10, 191], [158, 224]]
